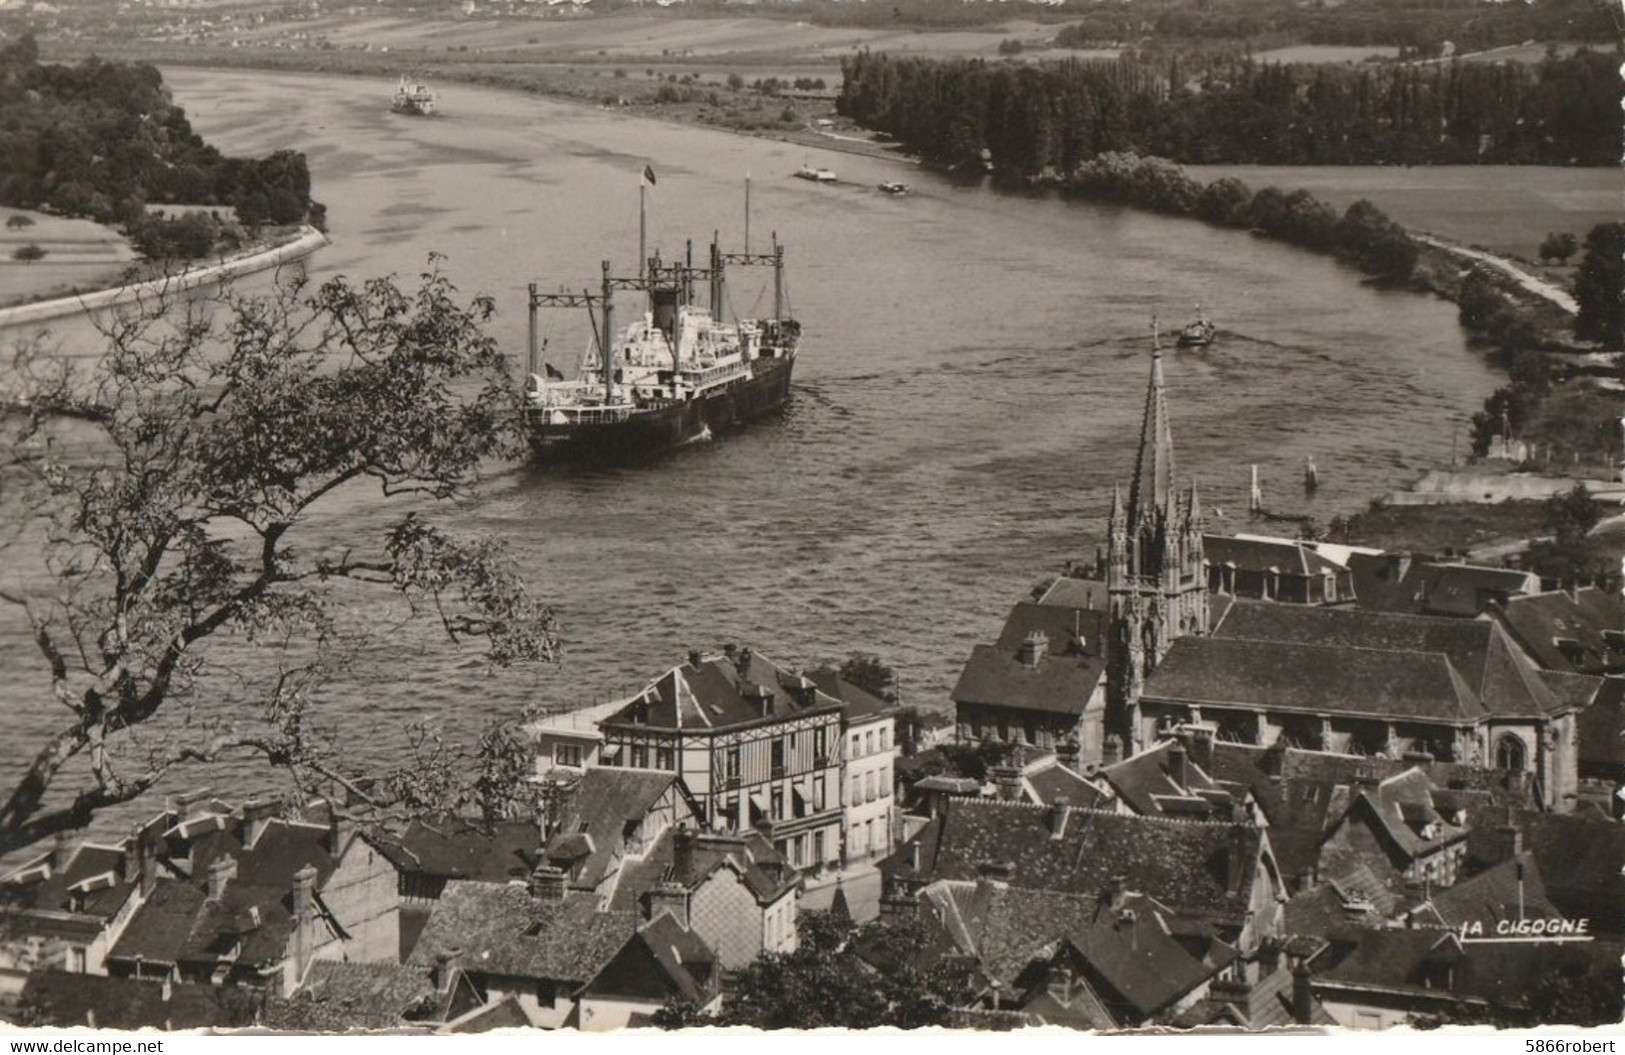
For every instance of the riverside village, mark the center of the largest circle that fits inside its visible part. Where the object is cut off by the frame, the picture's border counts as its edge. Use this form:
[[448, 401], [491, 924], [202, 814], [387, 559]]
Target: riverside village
[[1203, 780], [478, 628]]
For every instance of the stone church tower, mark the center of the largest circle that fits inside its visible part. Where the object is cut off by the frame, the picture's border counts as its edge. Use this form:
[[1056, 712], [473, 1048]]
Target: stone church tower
[[1154, 575]]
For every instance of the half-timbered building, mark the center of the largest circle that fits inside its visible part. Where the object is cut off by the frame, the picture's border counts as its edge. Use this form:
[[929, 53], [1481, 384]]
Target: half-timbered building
[[757, 746]]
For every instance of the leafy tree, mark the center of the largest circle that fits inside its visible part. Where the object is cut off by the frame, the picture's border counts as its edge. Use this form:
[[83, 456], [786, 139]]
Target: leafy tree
[[1566, 557], [841, 975], [179, 531], [1599, 288], [867, 672], [1558, 247], [28, 253]]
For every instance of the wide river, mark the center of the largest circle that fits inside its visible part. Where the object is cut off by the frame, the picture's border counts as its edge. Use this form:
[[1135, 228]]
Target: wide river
[[969, 387]]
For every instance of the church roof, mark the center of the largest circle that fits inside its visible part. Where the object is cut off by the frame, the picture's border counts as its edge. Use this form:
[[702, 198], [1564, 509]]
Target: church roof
[[1479, 652], [1153, 485]]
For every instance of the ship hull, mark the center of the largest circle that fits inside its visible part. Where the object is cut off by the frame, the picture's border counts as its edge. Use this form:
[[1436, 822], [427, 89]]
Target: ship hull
[[651, 432]]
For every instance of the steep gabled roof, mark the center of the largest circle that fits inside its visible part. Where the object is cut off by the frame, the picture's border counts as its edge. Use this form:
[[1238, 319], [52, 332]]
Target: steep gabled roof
[[501, 929], [1479, 651], [711, 692], [62, 999], [1600, 728], [1580, 632], [1252, 553], [457, 848], [763, 871], [608, 800], [1511, 890], [1313, 679], [336, 997], [663, 960], [861, 704], [1145, 782], [1199, 867], [1064, 676], [91, 882]]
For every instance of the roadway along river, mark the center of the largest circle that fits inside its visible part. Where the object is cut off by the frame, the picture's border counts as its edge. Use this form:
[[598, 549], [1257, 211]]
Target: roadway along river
[[969, 387]]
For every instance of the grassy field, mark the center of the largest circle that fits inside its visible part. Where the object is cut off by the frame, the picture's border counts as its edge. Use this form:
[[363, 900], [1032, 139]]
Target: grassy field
[[1506, 210], [79, 255], [1328, 54]]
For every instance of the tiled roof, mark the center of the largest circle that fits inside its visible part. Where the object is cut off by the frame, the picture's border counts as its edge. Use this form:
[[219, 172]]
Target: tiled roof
[[1145, 783], [662, 961], [608, 801], [765, 873], [1505, 891], [1067, 592], [1322, 907], [861, 705], [1072, 664], [92, 883], [336, 997], [1582, 865], [1394, 583], [63, 999], [1262, 554], [281, 849], [1048, 781], [1386, 958], [1314, 679], [501, 929], [1582, 632], [1600, 728], [504, 1014], [720, 693], [1194, 866], [1575, 691], [1403, 804], [454, 848], [1136, 956], [1495, 673], [160, 931]]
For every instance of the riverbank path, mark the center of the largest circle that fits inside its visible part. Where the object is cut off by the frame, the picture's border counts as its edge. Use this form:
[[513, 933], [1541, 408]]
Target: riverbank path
[[1539, 287]]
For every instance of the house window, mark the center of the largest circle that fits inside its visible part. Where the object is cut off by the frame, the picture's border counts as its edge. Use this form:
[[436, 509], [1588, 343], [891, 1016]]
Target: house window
[[731, 765], [869, 742], [640, 756], [821, 744], [778, 803], [1509, 753], [567, 754], [820, 791], [884, 736], [857, 746], [869, 787], [664, 758], [885, 782], [778, 752]]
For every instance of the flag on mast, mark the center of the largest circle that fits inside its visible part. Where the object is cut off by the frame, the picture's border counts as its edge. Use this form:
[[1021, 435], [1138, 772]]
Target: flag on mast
[[649, 175]]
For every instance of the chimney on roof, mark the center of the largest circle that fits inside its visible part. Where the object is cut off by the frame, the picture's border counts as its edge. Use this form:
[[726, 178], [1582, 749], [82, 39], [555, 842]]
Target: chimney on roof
[[130, 863], [304, 893], [1059, 811], [1508, 839], [222, 870], [1199, 746], [257, 814], [1006, 782], [1303, 995], [682, 852], [188, 804], [548, 883], [1068, 751], [61, 853], [1112, 752], [443, 972], [742, 660], [1032, 648], [695, 658], [1176, 765], [1116, 890], [669, 897]]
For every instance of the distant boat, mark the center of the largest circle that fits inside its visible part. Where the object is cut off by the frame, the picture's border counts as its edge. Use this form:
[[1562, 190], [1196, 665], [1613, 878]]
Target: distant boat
[[413, 97], [1198, 334], [894, 188], [817, 175]]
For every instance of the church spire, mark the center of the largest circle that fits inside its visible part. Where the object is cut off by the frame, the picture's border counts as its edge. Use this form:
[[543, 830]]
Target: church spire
[[1153, 486]]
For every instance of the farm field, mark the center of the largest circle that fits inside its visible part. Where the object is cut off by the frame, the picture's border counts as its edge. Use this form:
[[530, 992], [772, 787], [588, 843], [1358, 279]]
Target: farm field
[[79, 255], [1506, 210]]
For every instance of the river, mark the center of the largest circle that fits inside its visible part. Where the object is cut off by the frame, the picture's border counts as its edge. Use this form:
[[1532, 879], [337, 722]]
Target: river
[[969, 387]]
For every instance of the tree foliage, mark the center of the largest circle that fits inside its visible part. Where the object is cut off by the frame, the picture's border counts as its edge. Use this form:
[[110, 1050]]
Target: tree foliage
[[178, 528], [869, 673], [1599, 288], [841, 975], [101, 139]]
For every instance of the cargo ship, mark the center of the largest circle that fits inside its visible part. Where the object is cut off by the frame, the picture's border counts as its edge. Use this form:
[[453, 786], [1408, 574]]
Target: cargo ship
[[675, 375]]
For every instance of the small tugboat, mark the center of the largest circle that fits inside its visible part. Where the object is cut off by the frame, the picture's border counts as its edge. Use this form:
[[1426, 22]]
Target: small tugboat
[[676, 375], [895, 189], [1198, 334], [817, 175], [413, 97]]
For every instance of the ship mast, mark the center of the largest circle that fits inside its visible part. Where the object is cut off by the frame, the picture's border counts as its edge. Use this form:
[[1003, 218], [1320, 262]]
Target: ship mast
[[534, 356], [778, 277], [605, 344]]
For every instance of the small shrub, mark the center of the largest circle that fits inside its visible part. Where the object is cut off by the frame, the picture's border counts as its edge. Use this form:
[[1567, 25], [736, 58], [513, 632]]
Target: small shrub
[[19, 220], [28, 253]]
